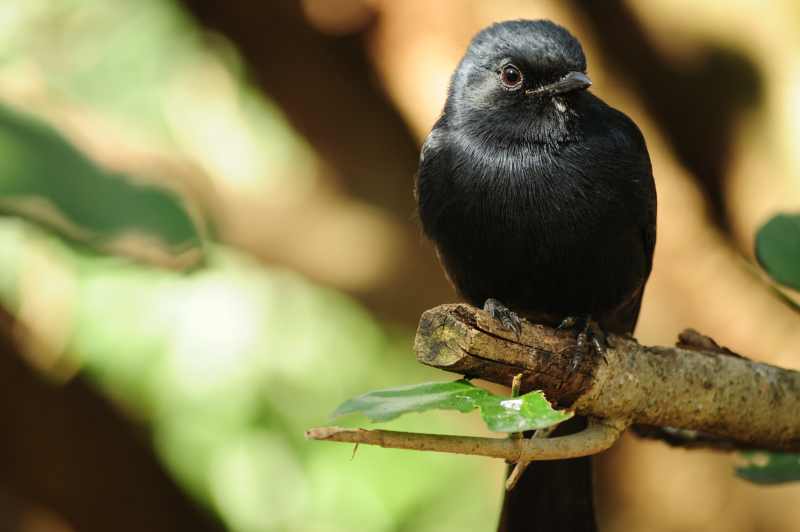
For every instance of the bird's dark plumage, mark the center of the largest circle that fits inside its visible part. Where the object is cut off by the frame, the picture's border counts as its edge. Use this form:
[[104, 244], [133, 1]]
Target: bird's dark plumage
[[534, 191]]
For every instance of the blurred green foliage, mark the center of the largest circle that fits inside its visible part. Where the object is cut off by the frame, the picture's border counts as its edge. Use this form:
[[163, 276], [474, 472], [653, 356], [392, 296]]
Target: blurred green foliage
[[47, 180], [770, 468], [229, 364], [146, 67], [777, 248], [109, 55]]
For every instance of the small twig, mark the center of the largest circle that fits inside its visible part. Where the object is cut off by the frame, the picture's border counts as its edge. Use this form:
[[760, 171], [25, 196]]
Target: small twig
[[522, 465], [515, 384], [544, 433], [516, 474], [597, 437]]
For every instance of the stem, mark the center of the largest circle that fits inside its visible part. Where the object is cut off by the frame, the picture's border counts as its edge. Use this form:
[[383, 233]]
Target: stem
[[597, 437]]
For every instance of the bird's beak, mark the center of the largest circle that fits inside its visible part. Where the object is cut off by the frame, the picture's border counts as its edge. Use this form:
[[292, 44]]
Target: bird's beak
[[571, 82]]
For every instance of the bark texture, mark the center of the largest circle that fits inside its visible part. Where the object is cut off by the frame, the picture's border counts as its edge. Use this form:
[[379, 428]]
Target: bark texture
[[698, 386]]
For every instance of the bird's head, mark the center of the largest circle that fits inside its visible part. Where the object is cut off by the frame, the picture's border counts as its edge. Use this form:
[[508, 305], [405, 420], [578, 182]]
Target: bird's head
[[522, 75]]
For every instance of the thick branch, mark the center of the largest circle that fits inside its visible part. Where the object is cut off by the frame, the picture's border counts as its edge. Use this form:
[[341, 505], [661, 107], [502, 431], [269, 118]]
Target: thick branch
[[699, 386], [597, 437]]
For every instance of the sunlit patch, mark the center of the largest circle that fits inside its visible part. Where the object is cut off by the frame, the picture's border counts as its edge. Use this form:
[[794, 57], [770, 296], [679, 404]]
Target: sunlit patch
[[338, 17], [758, 459], [512, 404], [47, 294], [216, 330], [212, 118]]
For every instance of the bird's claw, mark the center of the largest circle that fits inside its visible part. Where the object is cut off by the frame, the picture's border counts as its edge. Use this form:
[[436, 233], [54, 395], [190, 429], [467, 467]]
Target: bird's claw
[[568, 323], [507, 317], [591, 337]]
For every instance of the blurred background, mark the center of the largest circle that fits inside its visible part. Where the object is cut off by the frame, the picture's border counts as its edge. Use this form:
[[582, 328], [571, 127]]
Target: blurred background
[[207, 243]]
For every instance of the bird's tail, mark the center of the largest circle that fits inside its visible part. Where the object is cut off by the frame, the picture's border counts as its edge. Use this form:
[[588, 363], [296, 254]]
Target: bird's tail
[[552, 496]]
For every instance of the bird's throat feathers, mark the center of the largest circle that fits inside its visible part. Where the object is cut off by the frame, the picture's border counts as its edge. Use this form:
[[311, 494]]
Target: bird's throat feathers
[[545, 125]]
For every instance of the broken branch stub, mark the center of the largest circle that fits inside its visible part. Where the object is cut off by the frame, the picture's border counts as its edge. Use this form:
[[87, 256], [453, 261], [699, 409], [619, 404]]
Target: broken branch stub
[[698, 386]]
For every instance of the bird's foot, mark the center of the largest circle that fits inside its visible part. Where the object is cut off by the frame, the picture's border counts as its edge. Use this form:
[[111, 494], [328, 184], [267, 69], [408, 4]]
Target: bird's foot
[[507, 317], [591, 339]]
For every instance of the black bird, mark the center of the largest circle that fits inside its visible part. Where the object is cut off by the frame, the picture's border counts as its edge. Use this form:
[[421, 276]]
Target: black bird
[[541, 203]]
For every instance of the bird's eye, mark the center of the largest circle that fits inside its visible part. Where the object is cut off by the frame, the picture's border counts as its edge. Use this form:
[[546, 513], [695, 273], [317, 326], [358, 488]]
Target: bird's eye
[[511, 77]]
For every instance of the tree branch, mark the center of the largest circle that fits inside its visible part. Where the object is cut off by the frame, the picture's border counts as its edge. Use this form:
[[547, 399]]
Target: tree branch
[[695, 394], [698, 386]]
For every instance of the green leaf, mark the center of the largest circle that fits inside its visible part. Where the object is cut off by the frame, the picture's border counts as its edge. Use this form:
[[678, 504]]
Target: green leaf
[[44, 179], [501, 414], [770, 468], [778, 249]]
